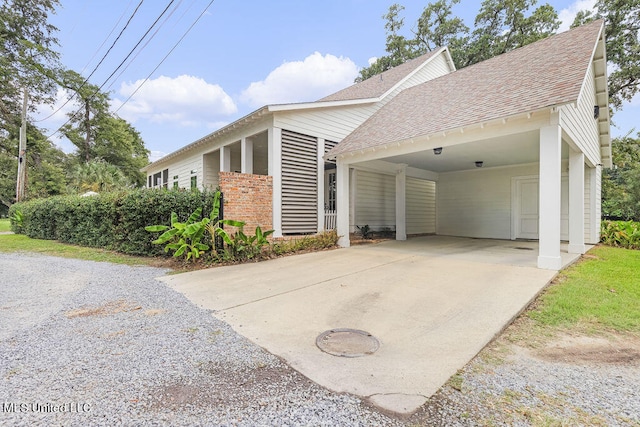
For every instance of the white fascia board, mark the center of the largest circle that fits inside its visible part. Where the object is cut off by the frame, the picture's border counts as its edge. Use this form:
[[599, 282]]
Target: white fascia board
[[320, 104], [420, 67]]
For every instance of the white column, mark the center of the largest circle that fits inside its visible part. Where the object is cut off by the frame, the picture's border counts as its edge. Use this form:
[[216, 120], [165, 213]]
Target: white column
[[401, 203], [576, 202], [246, 155], [225, 159], [549, 198], [594, 202], [274, 136], [342, 203], [320, 180]]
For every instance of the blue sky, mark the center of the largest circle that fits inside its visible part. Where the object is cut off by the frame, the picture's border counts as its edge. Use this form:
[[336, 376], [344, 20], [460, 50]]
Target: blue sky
[[239, 56]]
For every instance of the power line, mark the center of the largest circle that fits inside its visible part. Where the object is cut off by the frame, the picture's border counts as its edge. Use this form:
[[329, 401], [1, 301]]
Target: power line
[[119, 66], [167, 55], [99, 63], [145, 44]]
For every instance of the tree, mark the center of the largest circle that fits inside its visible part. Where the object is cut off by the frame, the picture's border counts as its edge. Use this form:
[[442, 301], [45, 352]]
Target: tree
[[27, 56], [94, 105], [46, 164], [500, 26], [503, 25], [621, 185], [622, 19], [97, 176], [437, 27], [399, 48], [98, 134]]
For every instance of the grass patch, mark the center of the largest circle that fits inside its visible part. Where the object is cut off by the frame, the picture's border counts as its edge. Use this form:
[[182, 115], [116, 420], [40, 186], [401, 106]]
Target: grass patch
[[600, 293], [22, 243], [5, 225]]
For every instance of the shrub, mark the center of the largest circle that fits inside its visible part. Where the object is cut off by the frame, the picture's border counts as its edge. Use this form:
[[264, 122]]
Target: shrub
[[623, 234], [325, 240], [110, 220]]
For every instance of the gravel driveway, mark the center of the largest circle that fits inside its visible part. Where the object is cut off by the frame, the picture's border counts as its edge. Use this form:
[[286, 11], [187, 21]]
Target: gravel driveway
[[85, 343], [110, 345]]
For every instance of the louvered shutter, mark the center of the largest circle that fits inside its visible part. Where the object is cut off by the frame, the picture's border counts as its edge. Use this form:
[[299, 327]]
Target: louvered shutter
[[299, 183]]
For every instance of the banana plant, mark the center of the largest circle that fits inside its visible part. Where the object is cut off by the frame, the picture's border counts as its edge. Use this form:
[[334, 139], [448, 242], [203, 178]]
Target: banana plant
[[185, 238], [214, 224]]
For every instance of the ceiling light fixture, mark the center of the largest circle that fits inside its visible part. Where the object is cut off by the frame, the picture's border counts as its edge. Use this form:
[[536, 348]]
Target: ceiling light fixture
[[479, 163], [437, 150]]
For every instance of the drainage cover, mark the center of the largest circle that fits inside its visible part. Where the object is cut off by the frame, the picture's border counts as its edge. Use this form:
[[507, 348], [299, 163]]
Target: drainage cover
[[522, 248], [347, 342]]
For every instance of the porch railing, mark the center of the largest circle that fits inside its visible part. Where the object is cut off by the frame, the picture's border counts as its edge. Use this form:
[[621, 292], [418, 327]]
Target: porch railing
[[329, 219]]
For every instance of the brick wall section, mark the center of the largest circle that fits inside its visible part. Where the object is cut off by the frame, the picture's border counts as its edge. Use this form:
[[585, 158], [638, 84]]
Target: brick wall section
[[248, 198]]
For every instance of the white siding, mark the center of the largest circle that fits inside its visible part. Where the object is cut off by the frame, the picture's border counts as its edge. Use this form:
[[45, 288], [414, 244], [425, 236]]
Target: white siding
[[437, 67], [333, 124], [579, 123], [477, 203], [375, 200], [421, 206], [336, 123], [211, 169], [598, 205], [182, 167]]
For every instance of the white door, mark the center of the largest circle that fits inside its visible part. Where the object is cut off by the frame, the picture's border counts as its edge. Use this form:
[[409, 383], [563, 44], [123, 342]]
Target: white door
[[525, 208], [526, 215]]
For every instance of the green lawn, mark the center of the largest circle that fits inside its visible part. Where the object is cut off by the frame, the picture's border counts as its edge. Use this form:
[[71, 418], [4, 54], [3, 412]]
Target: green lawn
[[21, 243], [5, 225], [600, 293]]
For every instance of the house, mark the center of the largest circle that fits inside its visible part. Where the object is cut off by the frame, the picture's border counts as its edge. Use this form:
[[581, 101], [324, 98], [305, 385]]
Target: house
[[509, 148]]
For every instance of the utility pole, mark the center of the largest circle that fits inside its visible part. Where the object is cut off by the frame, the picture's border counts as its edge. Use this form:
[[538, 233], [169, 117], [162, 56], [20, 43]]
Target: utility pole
[[22, 153]]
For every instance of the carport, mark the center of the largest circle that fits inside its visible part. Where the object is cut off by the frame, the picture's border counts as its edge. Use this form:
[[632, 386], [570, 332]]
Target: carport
[[432, 303], [515, 145]]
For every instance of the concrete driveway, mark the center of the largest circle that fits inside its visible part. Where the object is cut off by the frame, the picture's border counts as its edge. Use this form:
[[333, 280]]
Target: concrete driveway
[[432, 303]]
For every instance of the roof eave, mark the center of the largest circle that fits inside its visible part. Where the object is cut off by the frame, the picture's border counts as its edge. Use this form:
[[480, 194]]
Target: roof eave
[[255, 115], [449, 131]]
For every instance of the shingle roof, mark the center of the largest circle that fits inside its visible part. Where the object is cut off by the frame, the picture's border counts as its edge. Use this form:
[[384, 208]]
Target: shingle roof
[[378, 85], [547, 73]]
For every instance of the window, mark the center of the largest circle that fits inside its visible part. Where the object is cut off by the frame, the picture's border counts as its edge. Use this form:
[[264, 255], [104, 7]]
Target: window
[[175, 181], [149, 181], [165, 178], [194, 182]]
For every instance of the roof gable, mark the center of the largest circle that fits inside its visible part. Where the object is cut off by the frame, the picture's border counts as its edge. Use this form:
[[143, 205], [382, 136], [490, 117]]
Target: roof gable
[[547, 73], [378, 85]]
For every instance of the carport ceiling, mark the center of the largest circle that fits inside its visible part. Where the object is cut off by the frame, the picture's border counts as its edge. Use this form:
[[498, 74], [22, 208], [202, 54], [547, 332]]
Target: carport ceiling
[[508, 150]]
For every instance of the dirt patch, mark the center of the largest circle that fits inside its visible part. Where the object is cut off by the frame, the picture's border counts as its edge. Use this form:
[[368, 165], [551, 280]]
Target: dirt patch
[[581, 349], [219, 385], [107, 309], [154, 312]]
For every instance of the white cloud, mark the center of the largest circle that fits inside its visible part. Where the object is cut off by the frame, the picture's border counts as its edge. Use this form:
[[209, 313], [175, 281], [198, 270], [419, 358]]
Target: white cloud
[[184, 100], [372, 60], [568, 14], [299, 81]]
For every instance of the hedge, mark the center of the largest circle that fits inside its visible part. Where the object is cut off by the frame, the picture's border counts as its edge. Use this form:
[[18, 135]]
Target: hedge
[[113, 221]]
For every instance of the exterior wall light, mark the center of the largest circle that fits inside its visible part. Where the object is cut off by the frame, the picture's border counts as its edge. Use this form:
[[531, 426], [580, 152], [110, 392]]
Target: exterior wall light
[[596, 111], [437, 151], [479, 163]]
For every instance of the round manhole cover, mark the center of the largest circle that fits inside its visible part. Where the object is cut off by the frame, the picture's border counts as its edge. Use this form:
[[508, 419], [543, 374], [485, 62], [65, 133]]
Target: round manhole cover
[[347, 342]]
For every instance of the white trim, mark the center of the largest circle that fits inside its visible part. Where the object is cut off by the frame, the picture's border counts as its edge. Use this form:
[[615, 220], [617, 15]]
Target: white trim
[[320, 184], [274, 143], [246, 155], [342, 203], [549, 201], [576, 202], [401, 202]]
